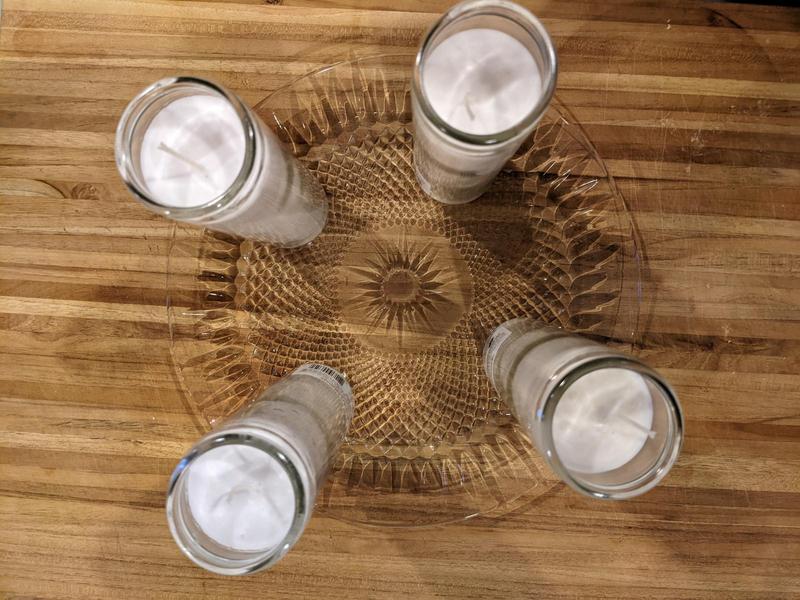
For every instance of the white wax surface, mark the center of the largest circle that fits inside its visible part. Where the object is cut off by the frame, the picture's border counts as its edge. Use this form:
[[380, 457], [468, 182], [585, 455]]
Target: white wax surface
[[241, 497], [481, 81], [192, 151], [595, 423]]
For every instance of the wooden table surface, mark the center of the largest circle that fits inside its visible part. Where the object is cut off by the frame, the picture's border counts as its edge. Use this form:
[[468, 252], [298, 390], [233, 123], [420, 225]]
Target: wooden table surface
[[696, 109]]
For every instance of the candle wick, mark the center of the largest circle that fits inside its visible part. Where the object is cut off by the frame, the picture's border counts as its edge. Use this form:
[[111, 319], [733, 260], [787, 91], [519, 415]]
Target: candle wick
[[238, 489], [164, 148], [469, 110], [650, 433]]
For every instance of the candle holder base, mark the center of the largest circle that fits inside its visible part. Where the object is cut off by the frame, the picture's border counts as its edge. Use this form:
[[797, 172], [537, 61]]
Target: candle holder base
[[400, 292]]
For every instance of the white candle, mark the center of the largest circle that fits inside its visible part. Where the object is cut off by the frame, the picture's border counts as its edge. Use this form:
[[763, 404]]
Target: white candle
[[602, 421], [610, 426], [481, 81], [241, 497], [239, 507], [483, 78], [192, 151]]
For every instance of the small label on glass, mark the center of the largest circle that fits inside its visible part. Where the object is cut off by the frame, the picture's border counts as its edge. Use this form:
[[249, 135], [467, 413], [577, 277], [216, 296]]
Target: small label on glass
[[327, 374]]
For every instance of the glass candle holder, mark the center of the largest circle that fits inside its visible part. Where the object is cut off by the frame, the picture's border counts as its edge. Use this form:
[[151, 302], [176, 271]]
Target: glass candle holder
[[241, 497], [192, 151], [484, 76], [609, 426]]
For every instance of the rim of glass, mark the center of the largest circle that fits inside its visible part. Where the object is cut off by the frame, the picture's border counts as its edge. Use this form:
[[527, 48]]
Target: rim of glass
[[277, 448], [498, 8], [647, 480], [129, 121]]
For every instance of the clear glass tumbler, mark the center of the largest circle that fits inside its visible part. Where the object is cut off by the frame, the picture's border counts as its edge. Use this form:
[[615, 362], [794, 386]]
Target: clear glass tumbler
[[608, 425], [192, 151], [454, 166], [241, 497]]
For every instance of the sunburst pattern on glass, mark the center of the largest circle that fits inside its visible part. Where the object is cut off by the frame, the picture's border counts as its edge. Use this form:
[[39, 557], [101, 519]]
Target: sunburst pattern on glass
[[402, 288]]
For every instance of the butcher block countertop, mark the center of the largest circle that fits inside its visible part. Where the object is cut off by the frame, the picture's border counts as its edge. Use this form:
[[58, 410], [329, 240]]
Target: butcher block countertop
[[695, 109]]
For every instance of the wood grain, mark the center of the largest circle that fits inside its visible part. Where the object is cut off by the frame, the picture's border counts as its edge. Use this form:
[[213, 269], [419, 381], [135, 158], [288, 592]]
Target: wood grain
[[696, 109]]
